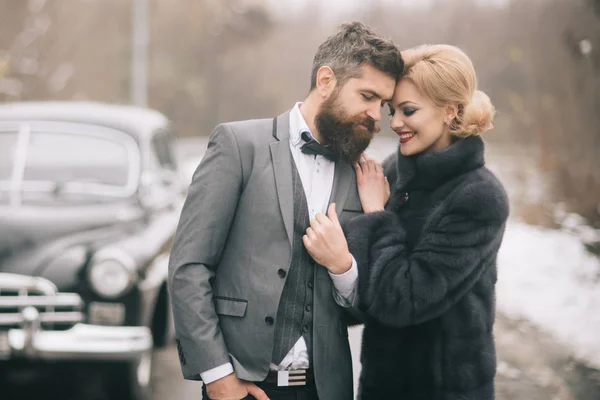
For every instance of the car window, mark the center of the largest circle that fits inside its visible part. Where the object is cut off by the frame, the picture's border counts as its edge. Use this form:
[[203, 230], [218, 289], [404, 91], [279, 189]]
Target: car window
[[68, 157], [162, 148], [64, 159], [53, 156]]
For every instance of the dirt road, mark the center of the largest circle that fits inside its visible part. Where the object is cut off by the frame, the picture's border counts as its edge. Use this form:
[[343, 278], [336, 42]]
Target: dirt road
[[531, 366]]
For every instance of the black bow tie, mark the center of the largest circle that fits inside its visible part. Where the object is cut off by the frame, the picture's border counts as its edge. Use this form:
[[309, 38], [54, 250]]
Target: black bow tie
[[313, 147]]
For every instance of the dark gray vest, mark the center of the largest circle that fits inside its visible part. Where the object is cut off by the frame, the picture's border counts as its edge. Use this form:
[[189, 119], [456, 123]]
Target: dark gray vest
[[295, 314]]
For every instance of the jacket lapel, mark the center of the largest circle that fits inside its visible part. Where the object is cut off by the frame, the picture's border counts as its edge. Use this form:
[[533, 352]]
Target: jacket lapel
[[342, 180], [282, 167]]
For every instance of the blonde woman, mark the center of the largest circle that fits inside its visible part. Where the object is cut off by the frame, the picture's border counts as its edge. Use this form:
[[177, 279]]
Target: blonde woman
[[426, 247]]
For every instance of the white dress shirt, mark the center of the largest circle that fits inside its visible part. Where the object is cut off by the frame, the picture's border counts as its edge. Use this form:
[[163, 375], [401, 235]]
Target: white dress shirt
[[316, 173]]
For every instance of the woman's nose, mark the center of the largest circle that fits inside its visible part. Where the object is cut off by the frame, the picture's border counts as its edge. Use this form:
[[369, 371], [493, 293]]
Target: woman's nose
[[396, 122]]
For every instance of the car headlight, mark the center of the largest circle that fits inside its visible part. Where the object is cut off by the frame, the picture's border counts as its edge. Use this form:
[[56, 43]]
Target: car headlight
[[111, 273]]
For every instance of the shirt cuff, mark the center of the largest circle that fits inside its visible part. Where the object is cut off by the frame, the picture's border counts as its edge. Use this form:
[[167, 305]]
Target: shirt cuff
[[345, 285], [216, 373]]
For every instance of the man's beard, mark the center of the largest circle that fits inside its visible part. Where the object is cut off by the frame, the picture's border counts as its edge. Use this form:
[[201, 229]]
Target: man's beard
[[343, 134]]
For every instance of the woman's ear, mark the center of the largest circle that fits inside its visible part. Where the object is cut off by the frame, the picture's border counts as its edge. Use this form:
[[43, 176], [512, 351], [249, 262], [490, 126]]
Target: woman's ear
[[326, 81], [451, 112]]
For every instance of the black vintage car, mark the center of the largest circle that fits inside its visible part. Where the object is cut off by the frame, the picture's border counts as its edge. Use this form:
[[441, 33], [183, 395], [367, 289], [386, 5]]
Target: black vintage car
[[90, 195]]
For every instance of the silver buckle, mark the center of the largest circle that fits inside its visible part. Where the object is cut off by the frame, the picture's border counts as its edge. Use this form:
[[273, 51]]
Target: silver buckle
[[291, 378]]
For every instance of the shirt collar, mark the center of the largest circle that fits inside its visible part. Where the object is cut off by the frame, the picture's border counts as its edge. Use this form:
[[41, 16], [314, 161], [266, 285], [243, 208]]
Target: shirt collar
[[297, 125]]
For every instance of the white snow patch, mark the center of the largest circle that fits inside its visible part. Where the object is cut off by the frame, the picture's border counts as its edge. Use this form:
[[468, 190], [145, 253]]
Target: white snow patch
[[547, 277]]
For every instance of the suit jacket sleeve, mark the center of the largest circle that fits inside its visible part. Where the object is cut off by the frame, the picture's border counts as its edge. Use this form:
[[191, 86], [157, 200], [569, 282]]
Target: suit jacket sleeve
[[205, 220], [398, 288]]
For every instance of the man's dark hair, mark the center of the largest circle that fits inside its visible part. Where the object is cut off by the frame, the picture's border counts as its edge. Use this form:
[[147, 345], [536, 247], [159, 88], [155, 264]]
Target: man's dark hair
[[353, 46]]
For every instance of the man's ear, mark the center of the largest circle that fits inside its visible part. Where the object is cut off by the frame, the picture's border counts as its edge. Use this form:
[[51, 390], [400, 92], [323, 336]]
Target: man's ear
[[326, 81]]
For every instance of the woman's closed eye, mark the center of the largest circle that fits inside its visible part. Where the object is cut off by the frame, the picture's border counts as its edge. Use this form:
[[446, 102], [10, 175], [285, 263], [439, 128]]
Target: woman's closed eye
[[408, 111]]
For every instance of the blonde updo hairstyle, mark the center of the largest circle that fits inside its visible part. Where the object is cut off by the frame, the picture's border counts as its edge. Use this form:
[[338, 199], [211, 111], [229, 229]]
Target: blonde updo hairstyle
[[446, 75]]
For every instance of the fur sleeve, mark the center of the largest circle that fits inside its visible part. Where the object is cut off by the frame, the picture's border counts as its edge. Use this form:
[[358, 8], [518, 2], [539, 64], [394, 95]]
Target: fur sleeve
[[400, 289]]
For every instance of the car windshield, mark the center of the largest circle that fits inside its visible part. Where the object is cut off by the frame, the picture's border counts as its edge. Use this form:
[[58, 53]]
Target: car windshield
[[38, 162]]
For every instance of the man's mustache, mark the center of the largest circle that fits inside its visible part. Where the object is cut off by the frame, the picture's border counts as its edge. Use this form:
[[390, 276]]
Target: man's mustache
[[370, 124]]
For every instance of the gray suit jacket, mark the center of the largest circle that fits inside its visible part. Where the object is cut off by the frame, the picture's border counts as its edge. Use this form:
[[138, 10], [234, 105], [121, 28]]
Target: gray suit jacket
[[234, 235]]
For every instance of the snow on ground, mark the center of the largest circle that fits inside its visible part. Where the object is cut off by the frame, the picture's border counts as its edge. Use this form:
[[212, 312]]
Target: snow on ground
[[547, 277]]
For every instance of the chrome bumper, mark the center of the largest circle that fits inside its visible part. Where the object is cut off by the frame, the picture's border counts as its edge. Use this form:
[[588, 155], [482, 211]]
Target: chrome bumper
[[81, 342], [29, 339]]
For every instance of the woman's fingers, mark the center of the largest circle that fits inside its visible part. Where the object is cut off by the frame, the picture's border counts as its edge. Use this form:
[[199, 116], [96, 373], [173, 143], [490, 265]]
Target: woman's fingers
[[374, 165], [367, 168], [358, 169], [373, 188], [369, 165], [378, 168], [364, 164]]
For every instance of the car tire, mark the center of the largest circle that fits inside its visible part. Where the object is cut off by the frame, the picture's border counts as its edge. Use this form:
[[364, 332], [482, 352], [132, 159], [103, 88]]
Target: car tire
[[132, 380], [163, 325]]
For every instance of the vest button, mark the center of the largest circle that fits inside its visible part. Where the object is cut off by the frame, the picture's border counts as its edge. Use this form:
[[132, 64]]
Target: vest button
[[305, 329], [308, 308], [281, 273], [309, 284], [269, 320]]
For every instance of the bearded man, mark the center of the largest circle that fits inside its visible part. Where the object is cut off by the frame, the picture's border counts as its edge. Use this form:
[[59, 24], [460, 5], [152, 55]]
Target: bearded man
[[254, 316]]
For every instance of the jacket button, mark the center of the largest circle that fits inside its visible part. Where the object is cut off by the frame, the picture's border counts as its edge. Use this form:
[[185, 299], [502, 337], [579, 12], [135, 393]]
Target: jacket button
[[269, 320], [281, 273]]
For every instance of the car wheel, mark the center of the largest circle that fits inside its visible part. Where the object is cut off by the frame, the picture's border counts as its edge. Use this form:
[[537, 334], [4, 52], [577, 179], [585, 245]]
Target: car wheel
[[163, 326], [132, 380]]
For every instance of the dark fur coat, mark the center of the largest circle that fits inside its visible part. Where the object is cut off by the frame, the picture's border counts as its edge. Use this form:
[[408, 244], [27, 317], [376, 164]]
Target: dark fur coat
[[427, 270]]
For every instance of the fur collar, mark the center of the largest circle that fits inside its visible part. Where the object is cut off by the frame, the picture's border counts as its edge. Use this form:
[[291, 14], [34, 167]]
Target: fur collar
[[430, 170]]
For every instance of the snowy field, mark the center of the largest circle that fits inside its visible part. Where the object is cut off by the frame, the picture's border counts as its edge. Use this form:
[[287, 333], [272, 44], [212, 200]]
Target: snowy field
[[548, 278], [545, 276]]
